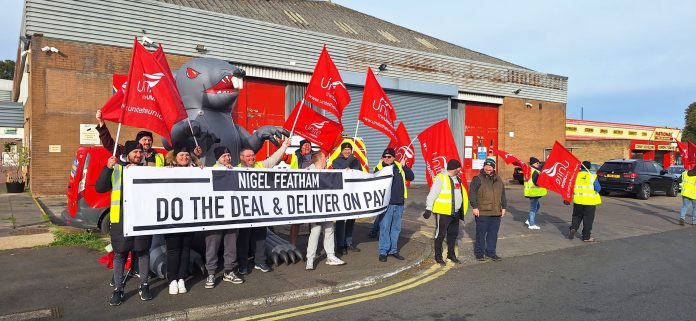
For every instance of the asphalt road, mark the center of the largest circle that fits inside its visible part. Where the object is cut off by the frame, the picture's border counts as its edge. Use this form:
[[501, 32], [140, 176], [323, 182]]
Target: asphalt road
[[640, 278]]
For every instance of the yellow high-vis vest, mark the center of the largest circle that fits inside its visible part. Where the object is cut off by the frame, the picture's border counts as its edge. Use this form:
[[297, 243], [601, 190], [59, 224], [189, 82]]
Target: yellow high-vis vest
[[401, 171], [256, 165], [531, 190], [116, 180], [443, 203], [584, 193], [688, 185]]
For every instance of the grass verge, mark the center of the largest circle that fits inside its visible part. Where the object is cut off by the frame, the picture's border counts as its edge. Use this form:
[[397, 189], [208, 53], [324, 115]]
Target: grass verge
[[83, 238]]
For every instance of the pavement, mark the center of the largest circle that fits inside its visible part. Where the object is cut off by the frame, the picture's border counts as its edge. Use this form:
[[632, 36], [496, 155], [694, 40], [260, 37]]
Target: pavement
[[68, 283]]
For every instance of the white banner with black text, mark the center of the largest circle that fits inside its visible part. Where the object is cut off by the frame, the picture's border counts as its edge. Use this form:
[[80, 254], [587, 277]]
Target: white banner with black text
[[172, 200]]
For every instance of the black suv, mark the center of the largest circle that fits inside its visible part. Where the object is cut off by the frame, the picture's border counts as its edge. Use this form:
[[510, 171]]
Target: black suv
[[636, 176]]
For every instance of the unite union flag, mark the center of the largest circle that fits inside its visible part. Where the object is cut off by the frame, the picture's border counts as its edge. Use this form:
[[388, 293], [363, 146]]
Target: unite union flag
[[560, 171], [326, 89], [438, 147], [376, 110], [314, 127]]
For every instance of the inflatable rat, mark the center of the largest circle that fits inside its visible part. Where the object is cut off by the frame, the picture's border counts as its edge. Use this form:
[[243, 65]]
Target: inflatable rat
[[209, 88]]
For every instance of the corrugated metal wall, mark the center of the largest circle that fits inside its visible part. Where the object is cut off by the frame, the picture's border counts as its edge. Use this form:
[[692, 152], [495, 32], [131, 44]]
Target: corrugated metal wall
[[11, 115], [417, 111], [256, 43], [5, 95]]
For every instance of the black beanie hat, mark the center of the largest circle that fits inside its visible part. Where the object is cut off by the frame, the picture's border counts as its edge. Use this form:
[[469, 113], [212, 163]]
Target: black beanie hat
[[178, 150], [142, 134], [453, 164], [346, 145], [130, 146], [304, 141], [219, 151], [533, 160], [587, 165], [389, 151], [489, 161]]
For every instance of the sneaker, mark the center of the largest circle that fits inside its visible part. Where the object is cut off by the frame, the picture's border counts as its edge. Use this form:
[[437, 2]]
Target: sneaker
[[111, 283], [332, 260], [383, 258], [681, 222], [591, 239], [309, 266], [174, 287], [182, 286], [232, 277], [534, 227], [353, 248], [526, 222], [440, 261], [397, 256], [571, 235], [210, 281], [116, 298], [454, 259], [495, 257], [480, 258], [263, 267], [144, 292]]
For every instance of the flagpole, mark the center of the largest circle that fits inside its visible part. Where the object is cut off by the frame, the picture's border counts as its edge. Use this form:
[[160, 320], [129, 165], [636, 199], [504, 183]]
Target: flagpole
[[118, 134], [299, 109], [192, 134], [356, 131]]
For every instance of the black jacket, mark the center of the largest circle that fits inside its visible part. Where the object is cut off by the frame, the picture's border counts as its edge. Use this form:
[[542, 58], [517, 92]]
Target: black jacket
[[342, 163], [397, 187]]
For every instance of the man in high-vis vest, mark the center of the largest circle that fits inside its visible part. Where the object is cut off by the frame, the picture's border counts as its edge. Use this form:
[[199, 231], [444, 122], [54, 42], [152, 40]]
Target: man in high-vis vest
[[533, 193], [227, 237], [449, 201], [585, 200], [390, 223], [251, 238], [688, 195], [111, 179]]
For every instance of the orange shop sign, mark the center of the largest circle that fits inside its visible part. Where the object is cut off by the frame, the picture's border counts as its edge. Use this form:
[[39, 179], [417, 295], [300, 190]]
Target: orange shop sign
[[661, 134]]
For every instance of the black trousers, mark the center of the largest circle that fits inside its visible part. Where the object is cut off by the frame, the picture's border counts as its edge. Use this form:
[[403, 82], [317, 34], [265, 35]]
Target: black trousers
[[446, 225], [247, 241], [586, 215], [178, 253]]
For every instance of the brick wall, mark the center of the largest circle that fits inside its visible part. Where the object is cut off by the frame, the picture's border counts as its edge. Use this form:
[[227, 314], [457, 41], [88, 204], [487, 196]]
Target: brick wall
[[535, 128], [599, 151], [66, 89]]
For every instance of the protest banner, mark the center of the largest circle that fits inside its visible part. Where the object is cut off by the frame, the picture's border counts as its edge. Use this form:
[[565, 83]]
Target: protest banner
[[166, 200]]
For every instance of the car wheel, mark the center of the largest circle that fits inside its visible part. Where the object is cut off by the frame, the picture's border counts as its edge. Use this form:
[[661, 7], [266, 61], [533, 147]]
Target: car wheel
[[673, 190], [105, 224], [644, 192], [603, 193]]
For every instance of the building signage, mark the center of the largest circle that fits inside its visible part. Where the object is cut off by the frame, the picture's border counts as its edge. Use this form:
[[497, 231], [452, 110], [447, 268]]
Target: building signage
[[644, 147], [662, 134], [665, 147], [89, 134]]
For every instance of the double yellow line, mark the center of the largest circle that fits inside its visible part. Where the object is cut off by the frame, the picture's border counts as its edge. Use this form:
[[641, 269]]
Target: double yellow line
[[428, 275]]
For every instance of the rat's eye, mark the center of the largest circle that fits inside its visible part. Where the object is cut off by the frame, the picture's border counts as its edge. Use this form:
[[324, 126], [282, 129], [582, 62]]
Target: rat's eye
[[192, 73]]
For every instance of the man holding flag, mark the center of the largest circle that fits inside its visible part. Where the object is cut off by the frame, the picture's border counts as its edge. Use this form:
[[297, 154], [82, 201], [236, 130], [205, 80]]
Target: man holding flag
[[585, 200], [534, 193]]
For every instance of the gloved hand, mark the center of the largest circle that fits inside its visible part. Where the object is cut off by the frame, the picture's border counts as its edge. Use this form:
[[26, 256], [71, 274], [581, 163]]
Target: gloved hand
[[460, 213], [566, 202], [426, 214]]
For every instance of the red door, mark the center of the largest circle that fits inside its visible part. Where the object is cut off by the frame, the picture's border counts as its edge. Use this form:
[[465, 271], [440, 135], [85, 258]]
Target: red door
[[481, 124], [261, 102]]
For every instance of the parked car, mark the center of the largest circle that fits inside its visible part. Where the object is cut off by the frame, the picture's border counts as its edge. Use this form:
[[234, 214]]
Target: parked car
[[519, 176], [87, 208], [677, 171], [594, 168], [636, 176]]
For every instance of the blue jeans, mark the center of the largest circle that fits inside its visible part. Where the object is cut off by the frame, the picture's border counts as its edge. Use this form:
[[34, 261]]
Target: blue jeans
[[389, 229], [344, 233], [534, 207], [686, 202], [486, 235]]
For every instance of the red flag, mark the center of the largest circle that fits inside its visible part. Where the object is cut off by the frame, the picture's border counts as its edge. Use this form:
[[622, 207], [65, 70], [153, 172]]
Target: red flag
[[326, 89], [112, 108], [315, 127], [438, 147], [151, 99], [512, 159], [684, 152], [560, 171], [405, 153], [690, 156], [376, 110]]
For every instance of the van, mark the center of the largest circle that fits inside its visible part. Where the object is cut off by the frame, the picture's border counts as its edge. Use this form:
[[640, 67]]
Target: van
[[87, 208]]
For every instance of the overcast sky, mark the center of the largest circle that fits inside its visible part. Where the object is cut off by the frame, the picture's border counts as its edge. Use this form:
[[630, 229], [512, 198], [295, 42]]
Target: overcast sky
[[627, 61]]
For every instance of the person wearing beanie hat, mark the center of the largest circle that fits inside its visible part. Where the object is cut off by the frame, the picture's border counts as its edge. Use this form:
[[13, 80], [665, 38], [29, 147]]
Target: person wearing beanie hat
[[390, 221], [488, 203], [139, 245], [388, 153], [344, 229], [144, 138], [449, 202], [534, 193], [222, 157], [300, 159], [585, 200]]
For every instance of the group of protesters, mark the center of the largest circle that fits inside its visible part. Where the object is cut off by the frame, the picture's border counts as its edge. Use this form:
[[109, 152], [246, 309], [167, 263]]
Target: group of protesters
[[239, 246]]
